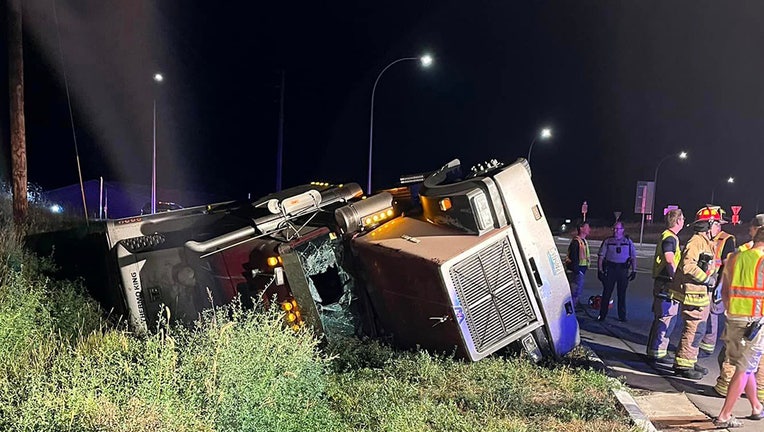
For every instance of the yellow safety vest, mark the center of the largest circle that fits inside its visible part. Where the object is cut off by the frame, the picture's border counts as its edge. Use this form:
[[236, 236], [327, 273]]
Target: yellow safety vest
[[746, 290], [659, 263], [720, 241], [745, 246], [583, 252]]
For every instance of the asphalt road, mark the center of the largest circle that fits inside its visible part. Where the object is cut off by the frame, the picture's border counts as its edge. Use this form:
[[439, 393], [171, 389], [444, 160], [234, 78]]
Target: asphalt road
[[621, 346]]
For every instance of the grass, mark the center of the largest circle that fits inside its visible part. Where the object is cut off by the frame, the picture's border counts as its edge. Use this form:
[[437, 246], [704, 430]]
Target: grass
[[63, 367]]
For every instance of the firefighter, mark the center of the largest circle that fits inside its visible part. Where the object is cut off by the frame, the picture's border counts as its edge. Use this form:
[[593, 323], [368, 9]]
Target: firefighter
[[665, 306], [726, 369], [616, 266], [578, 260], [695, 276], [724, 244], [743, 296]]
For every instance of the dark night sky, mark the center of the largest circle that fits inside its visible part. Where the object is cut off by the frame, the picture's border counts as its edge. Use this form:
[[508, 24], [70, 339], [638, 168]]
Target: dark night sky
[[621, 83]]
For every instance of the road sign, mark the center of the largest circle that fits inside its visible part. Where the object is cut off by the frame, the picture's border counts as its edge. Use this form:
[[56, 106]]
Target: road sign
[[643, 203], [644, 200], [617, 215], [736, 214]]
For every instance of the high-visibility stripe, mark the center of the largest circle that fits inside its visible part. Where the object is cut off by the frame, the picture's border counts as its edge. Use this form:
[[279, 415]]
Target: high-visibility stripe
[[583, 252], [685, 363], [747, 288], [720, 241]]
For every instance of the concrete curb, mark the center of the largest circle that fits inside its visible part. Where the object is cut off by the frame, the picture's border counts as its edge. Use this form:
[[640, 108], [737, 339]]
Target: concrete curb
[[635, 412], [626, 400]]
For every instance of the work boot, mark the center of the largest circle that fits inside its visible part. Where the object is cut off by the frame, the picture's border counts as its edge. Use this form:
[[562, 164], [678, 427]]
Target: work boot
[[663, 361], [688, 373], [701, 369]]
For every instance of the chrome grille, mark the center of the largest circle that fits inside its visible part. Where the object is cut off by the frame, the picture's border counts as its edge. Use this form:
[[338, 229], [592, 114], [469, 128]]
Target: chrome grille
[[492, 295]]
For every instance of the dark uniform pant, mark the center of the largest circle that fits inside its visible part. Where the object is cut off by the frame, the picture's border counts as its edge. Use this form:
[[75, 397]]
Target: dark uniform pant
[[664, 312], [616, 277]]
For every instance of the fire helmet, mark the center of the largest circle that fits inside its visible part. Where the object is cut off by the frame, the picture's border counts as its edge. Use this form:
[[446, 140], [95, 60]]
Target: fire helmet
[[706, 216]]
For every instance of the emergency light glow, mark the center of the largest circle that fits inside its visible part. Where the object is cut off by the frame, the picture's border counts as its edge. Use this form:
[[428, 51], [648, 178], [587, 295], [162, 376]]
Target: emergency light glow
[[55, 208]]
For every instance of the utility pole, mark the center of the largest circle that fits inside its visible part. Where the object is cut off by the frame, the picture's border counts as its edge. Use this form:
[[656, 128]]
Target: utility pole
[[280, 147], [18, 130]]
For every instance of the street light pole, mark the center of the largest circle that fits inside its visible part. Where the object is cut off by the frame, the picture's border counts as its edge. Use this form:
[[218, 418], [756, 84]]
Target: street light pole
[[426, 61], [158, 78], [730, 180], [544, 134], [681, 155]]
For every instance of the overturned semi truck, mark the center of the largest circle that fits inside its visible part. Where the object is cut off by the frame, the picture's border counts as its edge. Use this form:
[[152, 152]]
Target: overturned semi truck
[[447, 263]]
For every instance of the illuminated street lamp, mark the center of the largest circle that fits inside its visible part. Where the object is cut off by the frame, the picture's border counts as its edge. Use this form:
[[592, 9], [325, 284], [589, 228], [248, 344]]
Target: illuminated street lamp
[[545, 133], [158, 78], [682, 155], [730, 180], [425, 60]]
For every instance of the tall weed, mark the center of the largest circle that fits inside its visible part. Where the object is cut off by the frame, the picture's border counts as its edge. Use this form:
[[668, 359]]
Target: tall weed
[[421, 391]]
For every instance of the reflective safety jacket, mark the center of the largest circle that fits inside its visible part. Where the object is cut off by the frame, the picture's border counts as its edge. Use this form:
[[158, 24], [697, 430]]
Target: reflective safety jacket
[[583, 252], [689, 282], [746, 289], [659, 263], [745, 246], [720, 241]]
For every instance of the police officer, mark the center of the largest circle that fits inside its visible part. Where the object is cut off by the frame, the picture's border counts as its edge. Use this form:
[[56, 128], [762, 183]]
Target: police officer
[[695, 276], [578, 260], [667, 258], [616, 266]]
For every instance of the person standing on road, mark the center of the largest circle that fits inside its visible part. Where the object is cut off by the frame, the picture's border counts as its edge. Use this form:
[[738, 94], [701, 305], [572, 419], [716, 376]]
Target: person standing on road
[[665, 307], [743, 296], [578, 260], [695, 276], [616, 266], [727, 369], [724, 244]]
